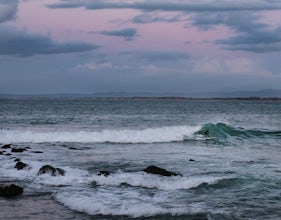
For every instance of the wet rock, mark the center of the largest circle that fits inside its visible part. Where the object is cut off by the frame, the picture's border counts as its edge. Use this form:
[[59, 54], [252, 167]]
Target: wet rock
[[159, 171], [8, 154], [1, 152], [191, 160], [37, 152], [94, 184], [17, 160], [18, 150], [73, 148], [51, 170], [104, 173], [10, 191], [6, 146], [21, 166]]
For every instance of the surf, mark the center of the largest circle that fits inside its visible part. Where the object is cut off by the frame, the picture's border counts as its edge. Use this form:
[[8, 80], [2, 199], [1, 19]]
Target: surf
[[223, 131], [216, 132], [124, 136]]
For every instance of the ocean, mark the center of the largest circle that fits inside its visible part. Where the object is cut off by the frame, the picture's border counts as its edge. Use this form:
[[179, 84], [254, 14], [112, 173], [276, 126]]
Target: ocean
[[233, 172]]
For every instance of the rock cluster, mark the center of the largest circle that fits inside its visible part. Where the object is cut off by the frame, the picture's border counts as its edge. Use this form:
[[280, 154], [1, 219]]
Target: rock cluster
[[14, 190], [51, 170]]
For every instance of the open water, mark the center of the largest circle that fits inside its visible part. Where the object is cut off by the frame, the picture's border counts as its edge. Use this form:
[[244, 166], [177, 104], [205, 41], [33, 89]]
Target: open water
[[235, 175]]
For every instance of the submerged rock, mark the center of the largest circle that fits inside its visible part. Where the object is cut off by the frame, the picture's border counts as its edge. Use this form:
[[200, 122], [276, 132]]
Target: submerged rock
[[73, 148], [104, 173], [10, 191], [21, 166], [159, 171], [18, 150], [37, 152], [6, 146], [51, 170]]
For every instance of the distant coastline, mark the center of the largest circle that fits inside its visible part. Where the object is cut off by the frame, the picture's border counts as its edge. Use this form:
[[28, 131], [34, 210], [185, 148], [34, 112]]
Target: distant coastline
[[258, 95], [140, 98]]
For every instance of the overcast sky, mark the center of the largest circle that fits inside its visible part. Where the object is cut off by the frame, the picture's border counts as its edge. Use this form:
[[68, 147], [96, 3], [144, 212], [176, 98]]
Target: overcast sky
[[157, 46]]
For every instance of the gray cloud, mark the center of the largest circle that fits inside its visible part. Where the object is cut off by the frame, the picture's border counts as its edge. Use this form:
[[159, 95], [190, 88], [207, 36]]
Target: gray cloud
[[146, 18], [155, 56], [8, 10], [176, 5], [15, 42], [127, 33], [252, 35]]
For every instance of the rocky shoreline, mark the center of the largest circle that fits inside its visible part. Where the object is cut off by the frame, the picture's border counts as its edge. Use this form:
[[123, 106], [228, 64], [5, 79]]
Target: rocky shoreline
[[9, 190]]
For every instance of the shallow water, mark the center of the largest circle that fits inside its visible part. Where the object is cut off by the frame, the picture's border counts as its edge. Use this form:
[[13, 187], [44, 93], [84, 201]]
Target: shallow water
[[235, 175]]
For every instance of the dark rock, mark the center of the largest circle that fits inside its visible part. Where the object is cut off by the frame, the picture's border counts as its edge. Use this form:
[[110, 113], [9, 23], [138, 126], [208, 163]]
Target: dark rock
[[17, 160], [191, 160], [94, 184], [8, 154], [1, 152], [37, 152], [73, 148], [51, 170], [159, 171], [21, 166], [6, 146], [60, 171], [18, 150], [104, 173], [10, 191]]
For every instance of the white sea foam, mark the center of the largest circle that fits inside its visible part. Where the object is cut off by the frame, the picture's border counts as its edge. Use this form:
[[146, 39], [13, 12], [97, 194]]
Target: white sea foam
[[150, 135], [141, 179], [73, 176], [125, 202], [111, 197]]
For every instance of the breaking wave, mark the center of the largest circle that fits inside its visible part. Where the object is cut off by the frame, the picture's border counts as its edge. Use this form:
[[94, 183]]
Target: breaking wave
[[221, 130], [134, 194], [166, 134], [150, 135], [140, 179]]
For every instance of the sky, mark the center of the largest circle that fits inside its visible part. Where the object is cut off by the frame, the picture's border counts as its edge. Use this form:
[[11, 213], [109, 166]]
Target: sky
[[139, 46]]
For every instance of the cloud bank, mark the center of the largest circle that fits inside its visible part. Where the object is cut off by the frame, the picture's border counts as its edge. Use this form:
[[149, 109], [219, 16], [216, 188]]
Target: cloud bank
[[175, 5], [22, 43], [251, 34], [239, 16]]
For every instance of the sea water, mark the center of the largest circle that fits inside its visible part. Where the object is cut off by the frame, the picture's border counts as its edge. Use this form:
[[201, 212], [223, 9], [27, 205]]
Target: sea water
[[234, 172]]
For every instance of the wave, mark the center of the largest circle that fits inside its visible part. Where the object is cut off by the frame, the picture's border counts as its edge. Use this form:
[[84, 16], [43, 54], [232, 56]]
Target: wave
[[150, 135], [141, 179], [221, 184], [134, 194], [217, 132], [223, 131]]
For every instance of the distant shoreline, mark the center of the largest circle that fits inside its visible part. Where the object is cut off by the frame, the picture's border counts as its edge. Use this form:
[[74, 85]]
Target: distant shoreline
[[140, 98]]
